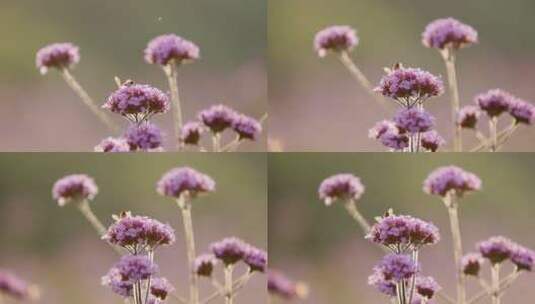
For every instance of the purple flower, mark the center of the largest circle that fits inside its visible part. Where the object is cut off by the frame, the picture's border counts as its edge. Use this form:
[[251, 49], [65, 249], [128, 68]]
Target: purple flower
[[246, 127], [403, 230], [256, 259], [522, 111], [342, 187], [165, 48], [282, 286], [137, 102], [431, 141], [414, 120], [229, 250], [136, 268], [448, 33], [112, 144], [115, 281], [184, 180], [154, 300], [57, 55], [451, 178], [381, 128], [191, 132], [397, 267], [426, 287], [218, 118], [468, 116], [382, 285], [410, 83], [471, 264], [204, 265], [494, 102], [160, 288], [336, 38], [523, 257], [496, 249], [395, 140], [418, 299], [13, 286], [145, 137], [131, 231], [74, 187]]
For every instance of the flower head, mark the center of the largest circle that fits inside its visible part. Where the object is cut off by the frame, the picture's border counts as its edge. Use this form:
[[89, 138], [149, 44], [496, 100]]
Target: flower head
[[57, 55], [523, 257], [75, 187], [282, 286], [131, 231], [335, 39], [112, 144], [468, 116], [136, 267], [426, 287], [394, 140], [522, 111], [191, 132], [448, 33], [431, 141], [256, 259], [160, 288], [382, 285], [14, 287], [343, 186], [137, 101], [145, 137], [410, 83], [218, 118], [445, 179], [204, 265], [246, 127], [496, 249], [381, 128], [165, 48], [494, 102], [414, 120], [397, 267], [471, 264], [184, 180], [115, 281], [403, 230], [229, 250]]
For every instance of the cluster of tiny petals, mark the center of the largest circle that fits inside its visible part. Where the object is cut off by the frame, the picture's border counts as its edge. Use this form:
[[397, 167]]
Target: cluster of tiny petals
[[160, 288], [451, 178], [246, 127], [432, 141], [340, 187], [218, 118], [395, 140], [418, 299], [426, 287], [404, 83], [403, 230], [191, 132], [523, 257], [165, 48], [136, 267], [137, 99], [471, 264], [139, 230], [204, 265], [57, 55], [382, 285], [414, 120], [468, 116], [229, 250], [279, 284], [13, 286], [448, 32], [522, 111], [256, 259], [496, 249], [145, 137], [397, 267], [112, 144], [382, 127], [74, 187], [184, 179], [494, 102], [119, 285], [335, 38]]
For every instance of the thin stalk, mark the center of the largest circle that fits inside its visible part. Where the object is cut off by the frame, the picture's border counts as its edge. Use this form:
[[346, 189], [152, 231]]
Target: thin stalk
[[453, 212], [503, 136], [185, 208], [85, 209], [216, 142], [495, 275], [351, 208], [229, 296], [504, 283], [88, 101], [449, 60], [237, 285], [361, 78], [493, 131], [150, 254], [413, 279], [172, 78]]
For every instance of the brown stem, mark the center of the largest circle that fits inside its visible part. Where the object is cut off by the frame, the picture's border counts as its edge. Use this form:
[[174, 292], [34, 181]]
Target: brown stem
[[185, 208]]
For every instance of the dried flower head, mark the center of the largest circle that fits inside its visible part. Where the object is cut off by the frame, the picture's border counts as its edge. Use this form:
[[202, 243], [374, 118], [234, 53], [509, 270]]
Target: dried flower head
[[115, 281], [139, 232], [426, 287], [523, 257], [468, 116], [382, 285], [406, 84], [75, 187], [57, 55], [335, 39], [394, 230], [165, 48], [256, 259], [15, 287], [160, 288], [381, 128], [282, 286], [182, 180], [451, 178], [522, 111], [191, 132], [342, 187], [113, 144], [448, 33], [136, 268], [397, 267], [144, 137], [414, 120], [229, 250], [496, 249], [494, 102], [471, 264], [204, 265], [218, 118], [137, 102], [394, 140], [246, 127], [431, 141]]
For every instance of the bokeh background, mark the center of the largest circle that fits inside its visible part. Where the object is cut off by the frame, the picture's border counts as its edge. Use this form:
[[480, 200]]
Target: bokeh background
[[325, 247], [57, 249], [315, 105], [40, 113]]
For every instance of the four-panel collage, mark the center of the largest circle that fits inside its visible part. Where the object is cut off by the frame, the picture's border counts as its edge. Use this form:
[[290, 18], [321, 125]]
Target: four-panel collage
[[267, 152]]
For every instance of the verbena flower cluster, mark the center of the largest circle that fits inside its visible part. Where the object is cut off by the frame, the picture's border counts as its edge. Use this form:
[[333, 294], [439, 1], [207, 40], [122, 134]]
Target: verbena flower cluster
[[403, 232], [340, 187], [185, 180], [57, 55], [451, 179], [336, 38], [233, 250], [75, 187]]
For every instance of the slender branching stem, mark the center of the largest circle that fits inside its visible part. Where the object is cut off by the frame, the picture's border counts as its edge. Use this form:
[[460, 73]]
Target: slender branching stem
[[493, 131], [185, 208], [216, 142], [495, 275], [179, 298], [171, 72], [88, 101], [449, 59], [85, 209], [232, 146], [150, 255], [237, 285], [413, 279], [361, 78], [445, 298], [503, 136], [229, 296], [351, 207], [504, 283], [451, 203]]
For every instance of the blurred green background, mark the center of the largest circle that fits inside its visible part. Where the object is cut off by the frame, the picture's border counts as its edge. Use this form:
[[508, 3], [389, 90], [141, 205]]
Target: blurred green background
[[325, 247], [57, 249], [40, 113], [304, 88]]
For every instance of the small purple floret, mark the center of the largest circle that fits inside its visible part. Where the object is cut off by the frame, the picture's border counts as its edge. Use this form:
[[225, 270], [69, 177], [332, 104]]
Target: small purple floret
[[136, 267], [394, 230], [160, 288], [204, 265], [342, 187], [382, 285], [494, 102], [145, 137], [191, 132], [13, 286], [74, 187], [523, 258], [397, 267], [165, 48], [229, 250], [57, 55], [522, 111], [184, 179], [256, 259], [410, 83], [282, 286], [471, 264], [451, 178], [336, 39], [218, 118], [448, 33], [115, 281], [496, 249], [426, 287], [246, 127], [112, 144], [414, 120], [431, 141], [139, 100], [132, 231], [394, 140], [381, 128], [468, 116]]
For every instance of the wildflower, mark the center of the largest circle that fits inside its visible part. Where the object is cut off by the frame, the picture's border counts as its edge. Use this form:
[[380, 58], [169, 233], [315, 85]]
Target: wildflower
[[410, 83], [165, 48], [145, 137], [522, 111], [75, 187], [494, 102], [57, 55], [403, 230], [136, 267], [381, 128], [448, 33], [431, 141], [114, 280], [160, 288], [218, 118], [468, 116], [523, 257], [256, 259], [471, 264], [342, 187], [395, 140], [445, 179], [279, 284], [336, 38], [14, 287], [191, 132], [414, 120], [426, 287], [133, 231], [137, 102], [384, 286], [185, 180], [246, 127], [496, 249], [112, 144], [397, 267], [154, 300], [229, 250], [204, 265]]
